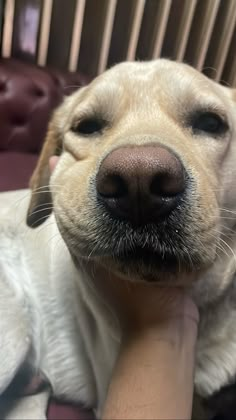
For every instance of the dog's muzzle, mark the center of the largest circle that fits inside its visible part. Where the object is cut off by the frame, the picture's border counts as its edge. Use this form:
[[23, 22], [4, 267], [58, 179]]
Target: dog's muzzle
[[142, 189]]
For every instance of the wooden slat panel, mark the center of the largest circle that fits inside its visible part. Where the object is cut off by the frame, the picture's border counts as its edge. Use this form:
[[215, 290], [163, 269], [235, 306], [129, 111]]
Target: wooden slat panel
[[160, 27], [184, 29], [26, 28], [135, 29], [201, 31], [121, 31], [221, 37], [229, 72], [44, 32], [8, 28], [177, 29], [233, 74], [106, 40], [92, 36], [1, 20], [146, 36], [76, 35], [231, 80], [61, 33]]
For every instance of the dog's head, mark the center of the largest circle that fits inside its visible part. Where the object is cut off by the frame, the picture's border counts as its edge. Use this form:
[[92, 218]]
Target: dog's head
[[145, 181]]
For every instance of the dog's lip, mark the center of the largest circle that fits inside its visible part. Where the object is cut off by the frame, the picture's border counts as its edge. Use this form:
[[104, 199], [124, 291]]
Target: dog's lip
[[147, 255]]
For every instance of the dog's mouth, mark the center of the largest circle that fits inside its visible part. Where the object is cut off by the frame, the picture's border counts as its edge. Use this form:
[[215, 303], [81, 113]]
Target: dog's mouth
[[148, 257], [152, 252], [149, 253], [154, 264]]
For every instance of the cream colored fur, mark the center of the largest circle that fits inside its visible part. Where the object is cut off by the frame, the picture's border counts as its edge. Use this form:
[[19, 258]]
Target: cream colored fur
[[52, 315]]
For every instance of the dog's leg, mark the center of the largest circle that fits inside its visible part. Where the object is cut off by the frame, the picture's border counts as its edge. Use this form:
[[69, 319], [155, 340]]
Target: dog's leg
[[15, 334]]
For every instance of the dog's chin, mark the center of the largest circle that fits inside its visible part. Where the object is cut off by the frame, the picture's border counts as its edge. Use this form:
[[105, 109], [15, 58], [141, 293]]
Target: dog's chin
[[141, 264], [153, 253]]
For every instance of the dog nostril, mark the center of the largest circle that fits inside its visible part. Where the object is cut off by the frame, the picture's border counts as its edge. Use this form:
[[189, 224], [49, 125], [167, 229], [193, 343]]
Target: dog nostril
[[167, 185], [112, 186]]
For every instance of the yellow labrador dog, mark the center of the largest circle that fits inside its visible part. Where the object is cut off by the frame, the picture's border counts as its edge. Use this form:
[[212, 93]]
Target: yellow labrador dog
[[145, 185]]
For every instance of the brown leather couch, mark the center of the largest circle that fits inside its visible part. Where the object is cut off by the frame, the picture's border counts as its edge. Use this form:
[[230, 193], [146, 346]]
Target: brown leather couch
[[28, 95]]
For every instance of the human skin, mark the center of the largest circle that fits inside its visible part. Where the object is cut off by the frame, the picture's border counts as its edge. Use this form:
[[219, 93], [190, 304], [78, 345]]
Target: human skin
[[153, 376]]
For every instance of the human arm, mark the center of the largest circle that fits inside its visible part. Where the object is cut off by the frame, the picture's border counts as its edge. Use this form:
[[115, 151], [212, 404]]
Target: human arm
[[153, 377]]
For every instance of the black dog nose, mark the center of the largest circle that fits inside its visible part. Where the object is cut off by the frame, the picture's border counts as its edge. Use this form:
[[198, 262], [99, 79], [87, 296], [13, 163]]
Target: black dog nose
[[141, 184]]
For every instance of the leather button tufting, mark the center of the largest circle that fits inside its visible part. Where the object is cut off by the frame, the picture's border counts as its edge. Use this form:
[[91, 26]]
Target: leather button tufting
[[19, 120], [39, 92], [28, 95], [3, 86]]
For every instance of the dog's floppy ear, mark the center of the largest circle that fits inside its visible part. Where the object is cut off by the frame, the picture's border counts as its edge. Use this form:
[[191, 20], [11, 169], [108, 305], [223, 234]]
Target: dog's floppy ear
[[40, 206]]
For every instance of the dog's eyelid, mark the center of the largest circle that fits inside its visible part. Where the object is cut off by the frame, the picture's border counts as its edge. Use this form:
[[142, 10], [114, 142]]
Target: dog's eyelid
[[210, 108]]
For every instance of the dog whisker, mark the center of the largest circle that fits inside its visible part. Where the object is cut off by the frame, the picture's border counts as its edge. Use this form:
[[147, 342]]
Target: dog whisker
[[42, 209], [39, 220], [228, 211], [229, 247], [72, 87]]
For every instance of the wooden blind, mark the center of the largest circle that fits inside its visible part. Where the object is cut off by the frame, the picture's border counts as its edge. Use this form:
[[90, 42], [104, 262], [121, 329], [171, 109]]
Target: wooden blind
[[91, 35]]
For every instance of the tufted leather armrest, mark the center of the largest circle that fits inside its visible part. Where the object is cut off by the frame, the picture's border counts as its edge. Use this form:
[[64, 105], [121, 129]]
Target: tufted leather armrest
[[28, 95]]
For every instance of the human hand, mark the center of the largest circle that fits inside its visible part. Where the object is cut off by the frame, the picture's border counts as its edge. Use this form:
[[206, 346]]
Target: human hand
[[139, 305]]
